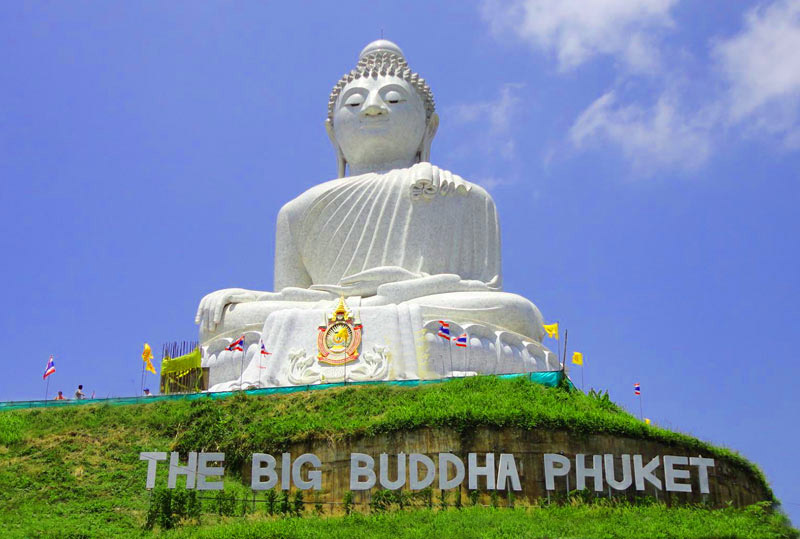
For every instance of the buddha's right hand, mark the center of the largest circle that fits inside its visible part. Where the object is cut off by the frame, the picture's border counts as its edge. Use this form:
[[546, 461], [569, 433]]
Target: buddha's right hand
[[430, 181], [209, 312], [366, 283]]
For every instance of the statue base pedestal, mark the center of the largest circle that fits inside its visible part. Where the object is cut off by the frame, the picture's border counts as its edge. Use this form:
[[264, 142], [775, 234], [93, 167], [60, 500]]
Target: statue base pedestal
[[397, 342]]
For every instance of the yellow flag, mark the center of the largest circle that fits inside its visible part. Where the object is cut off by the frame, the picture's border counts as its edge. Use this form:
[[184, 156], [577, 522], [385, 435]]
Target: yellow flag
[[577, 358], [552, 330], [147, 355], [647, 420]]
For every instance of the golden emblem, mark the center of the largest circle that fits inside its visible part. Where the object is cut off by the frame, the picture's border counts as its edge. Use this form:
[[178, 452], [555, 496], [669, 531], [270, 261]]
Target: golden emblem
[[338, 340]]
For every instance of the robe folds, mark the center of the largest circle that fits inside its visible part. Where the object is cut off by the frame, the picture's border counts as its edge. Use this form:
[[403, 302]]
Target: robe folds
[[440, 229], [423, 219]]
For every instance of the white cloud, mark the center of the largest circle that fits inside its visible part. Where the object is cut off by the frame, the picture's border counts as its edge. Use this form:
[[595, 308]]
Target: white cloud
[[578, 30], [761, 66], [492, 182], [650, 138], [750, 84], [497, 114]]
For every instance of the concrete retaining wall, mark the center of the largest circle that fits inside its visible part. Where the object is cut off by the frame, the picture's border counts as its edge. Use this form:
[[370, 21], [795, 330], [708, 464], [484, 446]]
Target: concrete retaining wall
[[728, 483]]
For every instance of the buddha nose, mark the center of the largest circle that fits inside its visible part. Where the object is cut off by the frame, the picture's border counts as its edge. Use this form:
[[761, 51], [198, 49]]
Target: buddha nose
[[374, 106]]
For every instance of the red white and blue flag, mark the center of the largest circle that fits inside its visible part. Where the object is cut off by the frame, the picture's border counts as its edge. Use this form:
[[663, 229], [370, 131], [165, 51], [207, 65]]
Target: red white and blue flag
[[50, 369], [237, 345], [264, 350], [637, 389], [444, 330], [462, 340]]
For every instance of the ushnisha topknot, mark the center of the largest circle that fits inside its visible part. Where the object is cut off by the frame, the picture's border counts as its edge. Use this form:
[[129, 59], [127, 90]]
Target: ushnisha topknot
[[384, 58]]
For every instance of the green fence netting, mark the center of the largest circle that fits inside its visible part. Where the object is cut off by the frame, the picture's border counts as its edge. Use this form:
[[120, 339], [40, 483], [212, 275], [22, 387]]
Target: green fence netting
[[549, 379]]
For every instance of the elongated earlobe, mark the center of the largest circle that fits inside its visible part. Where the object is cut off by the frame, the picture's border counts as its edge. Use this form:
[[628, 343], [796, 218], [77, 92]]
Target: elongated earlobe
[[341, 163], [424, 154]]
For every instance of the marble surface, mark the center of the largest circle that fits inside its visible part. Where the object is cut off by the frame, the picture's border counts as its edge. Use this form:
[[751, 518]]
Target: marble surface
[[407, 243]]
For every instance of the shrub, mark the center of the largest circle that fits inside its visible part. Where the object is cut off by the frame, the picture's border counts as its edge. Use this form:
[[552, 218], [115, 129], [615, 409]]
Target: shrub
[[319, 509], [193, 506], [378, 502], [283, 503], [348, 502], [152, 512], [244, 506], [11, 428], [298, 504], [179, 498], [165, 519], [224, 504], [271, 497], [427, 495]]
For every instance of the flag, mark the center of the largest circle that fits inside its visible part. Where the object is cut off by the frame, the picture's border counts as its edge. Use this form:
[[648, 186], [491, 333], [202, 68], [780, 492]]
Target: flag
[[444, 330], [637, 389], [147, 356], [646, 420], [50, 369], [264, 350], [552, 330], [462, 340], [577, 358], [237, 345]]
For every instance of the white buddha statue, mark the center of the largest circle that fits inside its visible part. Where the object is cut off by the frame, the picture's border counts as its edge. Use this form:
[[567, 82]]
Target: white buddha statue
[[406, 244]]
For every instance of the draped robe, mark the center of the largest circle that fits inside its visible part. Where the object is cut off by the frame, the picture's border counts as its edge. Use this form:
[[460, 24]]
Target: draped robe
[[422, 219], [349, 225]]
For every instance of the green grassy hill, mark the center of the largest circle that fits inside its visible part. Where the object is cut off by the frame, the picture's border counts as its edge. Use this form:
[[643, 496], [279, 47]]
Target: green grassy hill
[[75, 471]]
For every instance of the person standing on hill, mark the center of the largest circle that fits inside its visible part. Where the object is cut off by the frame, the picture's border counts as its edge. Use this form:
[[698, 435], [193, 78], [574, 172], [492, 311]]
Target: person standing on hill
[[60, 396], [79, 394]]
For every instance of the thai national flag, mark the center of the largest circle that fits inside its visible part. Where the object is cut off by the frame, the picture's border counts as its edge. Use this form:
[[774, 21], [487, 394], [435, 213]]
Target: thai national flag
[[444, 330], [264, 350], [637, 389], [462, 340], [50, 369], [237, 345]]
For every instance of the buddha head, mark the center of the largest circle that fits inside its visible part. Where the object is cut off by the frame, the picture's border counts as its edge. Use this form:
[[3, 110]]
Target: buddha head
[[381, 114]]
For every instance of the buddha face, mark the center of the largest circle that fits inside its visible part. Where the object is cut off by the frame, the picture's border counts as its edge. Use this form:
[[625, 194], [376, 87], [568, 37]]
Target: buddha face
[[378, 121]]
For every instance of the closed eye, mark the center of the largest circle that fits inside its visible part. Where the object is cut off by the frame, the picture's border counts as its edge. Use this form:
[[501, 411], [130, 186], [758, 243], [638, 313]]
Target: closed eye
[[354, 100], [393, 96]]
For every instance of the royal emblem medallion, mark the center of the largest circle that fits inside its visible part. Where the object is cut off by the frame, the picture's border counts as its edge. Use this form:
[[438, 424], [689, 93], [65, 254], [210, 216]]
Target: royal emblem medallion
[[340, 337]]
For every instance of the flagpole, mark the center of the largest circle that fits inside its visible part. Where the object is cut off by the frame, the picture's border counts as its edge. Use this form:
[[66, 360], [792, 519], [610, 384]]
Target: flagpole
[[582, 367], [46, 390], [450, 350], [564, 358], [241, 366], [641, 413], [558, 345], [466, 359], [141, 386]]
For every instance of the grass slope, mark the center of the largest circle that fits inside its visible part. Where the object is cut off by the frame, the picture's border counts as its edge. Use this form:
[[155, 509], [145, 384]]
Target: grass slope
[[650, 522], [74, 471]]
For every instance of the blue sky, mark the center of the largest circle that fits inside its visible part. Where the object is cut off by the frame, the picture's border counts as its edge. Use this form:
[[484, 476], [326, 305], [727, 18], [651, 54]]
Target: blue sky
[[644, 159]]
